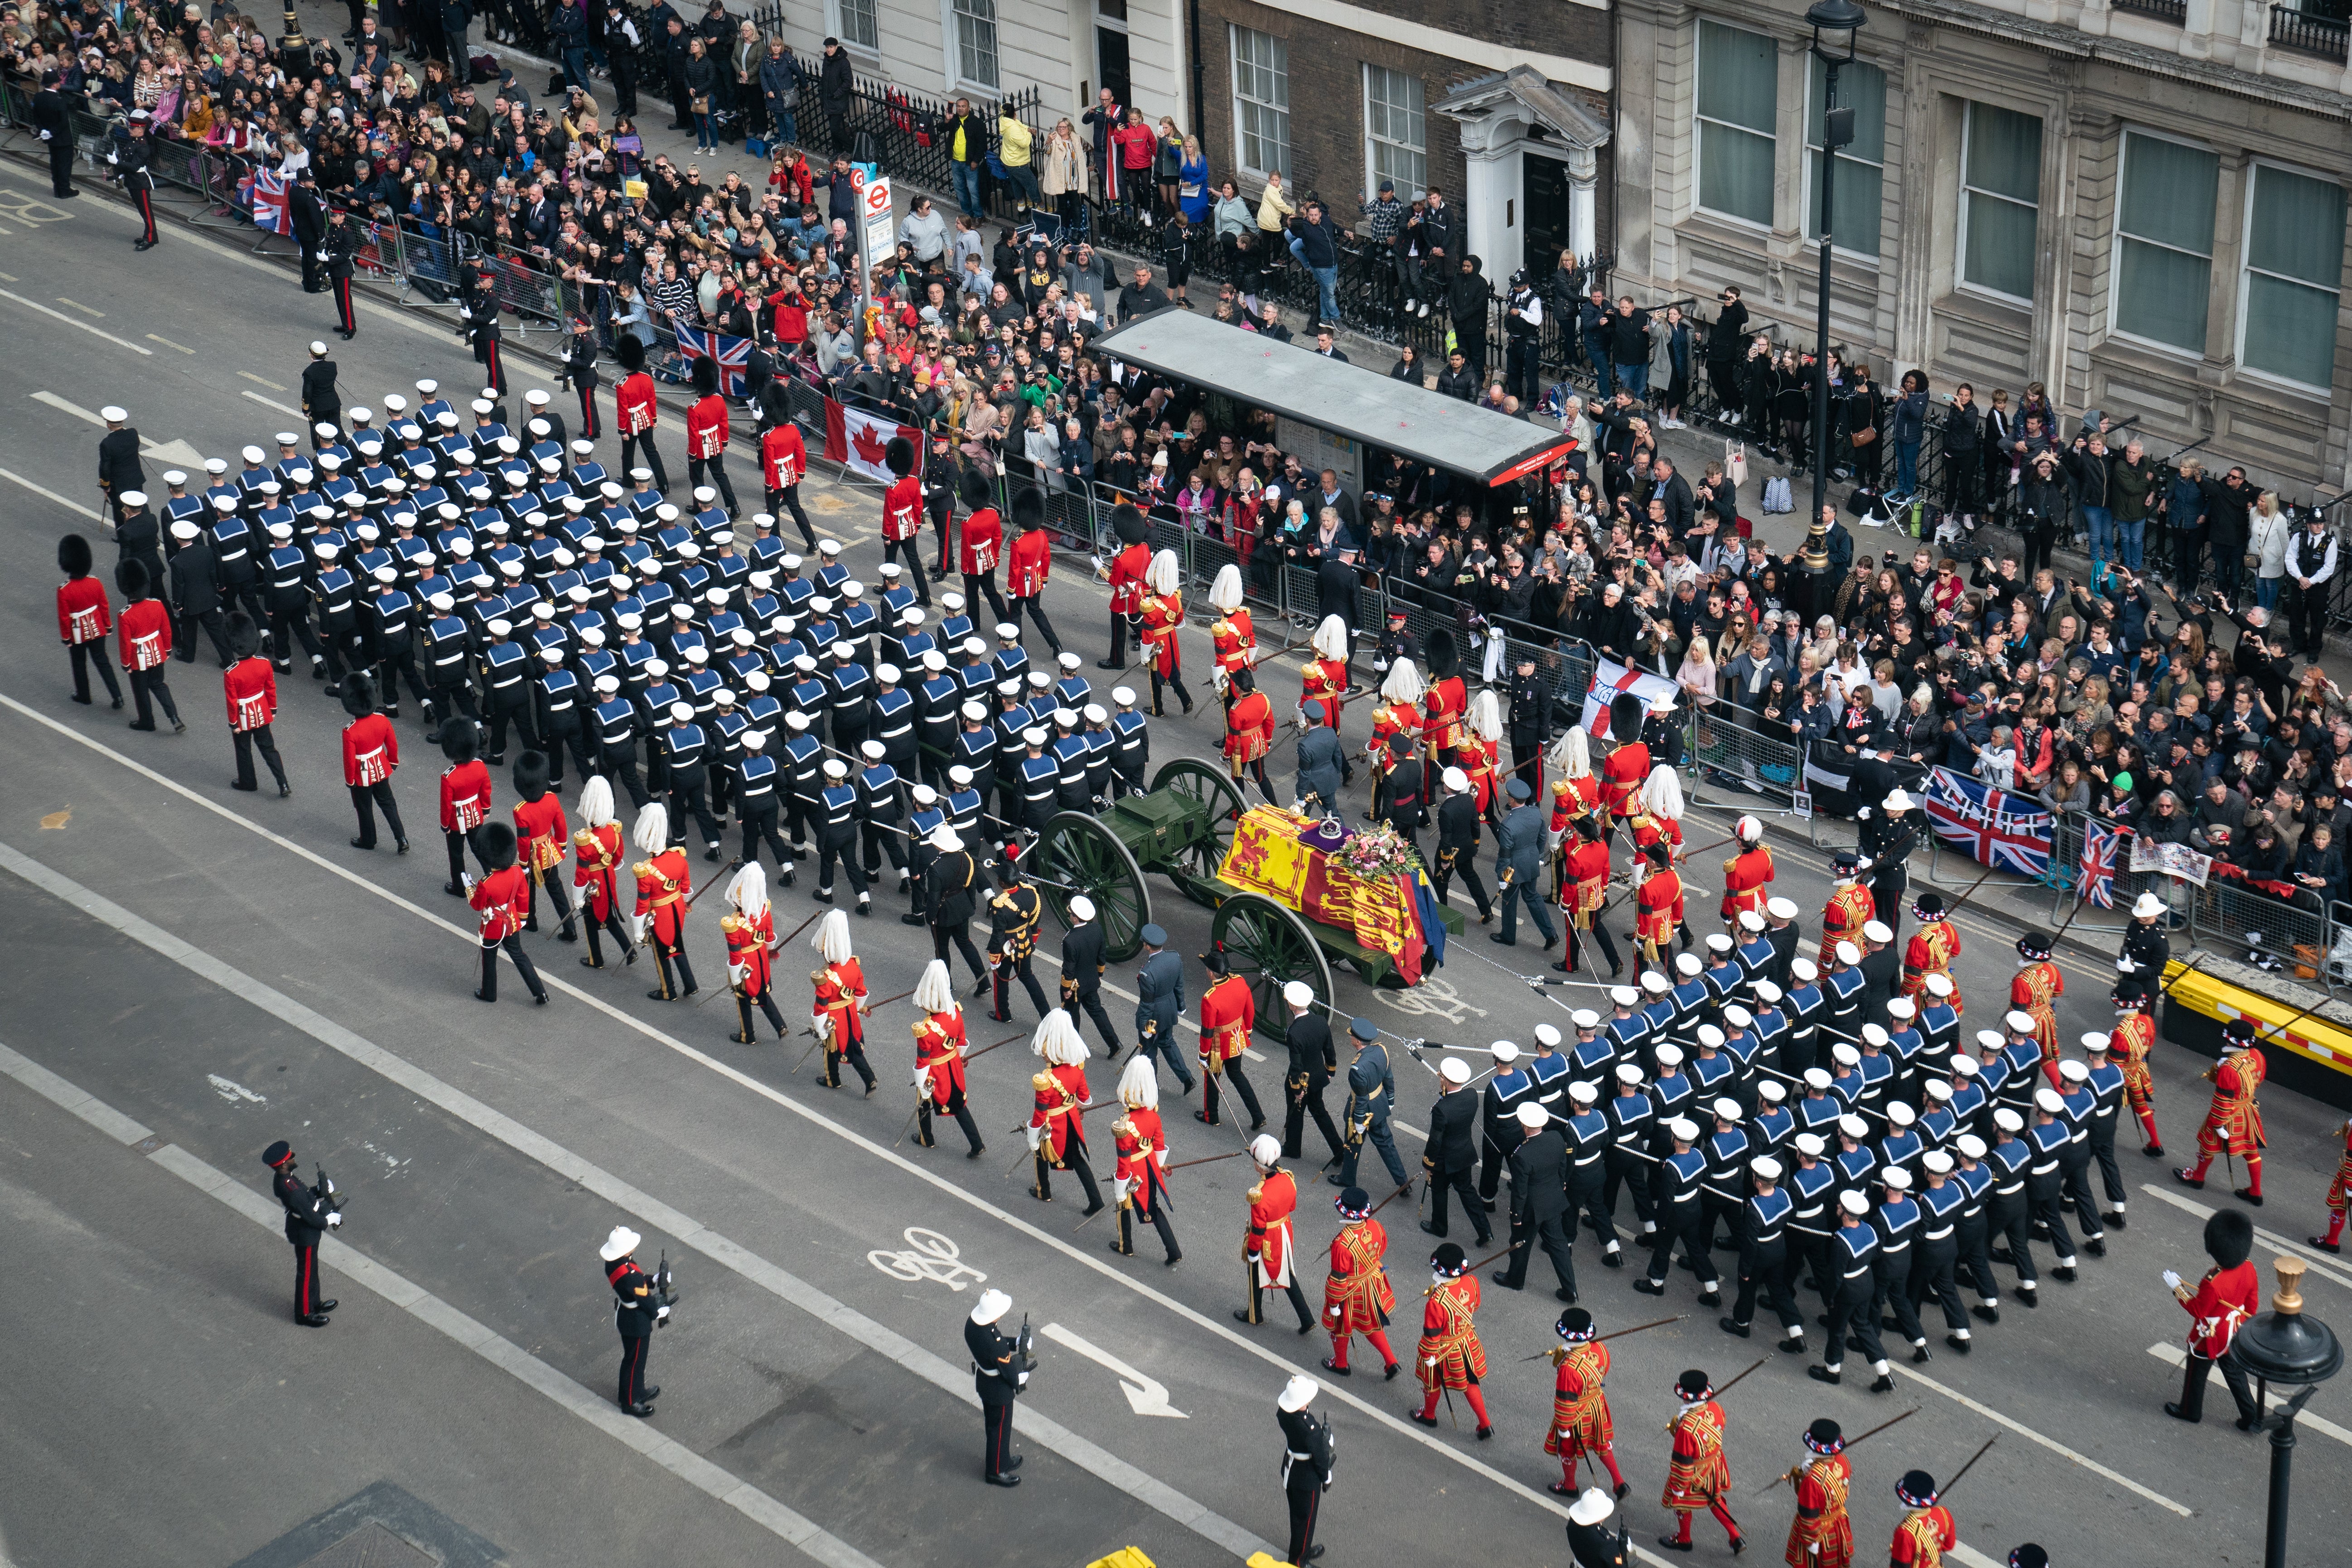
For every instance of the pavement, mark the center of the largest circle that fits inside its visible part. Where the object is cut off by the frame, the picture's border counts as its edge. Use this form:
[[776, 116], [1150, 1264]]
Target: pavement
[[211, 971]]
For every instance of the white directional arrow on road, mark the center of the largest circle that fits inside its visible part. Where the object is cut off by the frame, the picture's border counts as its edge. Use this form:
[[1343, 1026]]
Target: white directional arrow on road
[[1144, 1396]]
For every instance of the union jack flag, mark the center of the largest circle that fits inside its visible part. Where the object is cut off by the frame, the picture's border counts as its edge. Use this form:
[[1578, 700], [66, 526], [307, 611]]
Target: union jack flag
[[1991, 827], [733, 356], [2095, 878], [270, 208]]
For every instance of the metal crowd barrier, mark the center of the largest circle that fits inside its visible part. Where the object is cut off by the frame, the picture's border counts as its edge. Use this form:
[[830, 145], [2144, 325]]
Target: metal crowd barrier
[[1728, 750], [2069, 834], [2227, 912]]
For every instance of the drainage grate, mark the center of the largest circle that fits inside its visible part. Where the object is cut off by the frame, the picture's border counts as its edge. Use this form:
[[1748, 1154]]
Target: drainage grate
[[372, 1546]]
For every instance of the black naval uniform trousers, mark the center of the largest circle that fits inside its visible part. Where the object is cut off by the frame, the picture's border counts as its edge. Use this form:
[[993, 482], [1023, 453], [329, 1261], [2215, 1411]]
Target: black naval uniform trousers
[[635, 1313], [307, 1217], [1305, 1473], [998, 1384]]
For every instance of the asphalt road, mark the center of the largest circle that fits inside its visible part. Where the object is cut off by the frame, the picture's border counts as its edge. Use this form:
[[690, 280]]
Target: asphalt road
[[223, 970]]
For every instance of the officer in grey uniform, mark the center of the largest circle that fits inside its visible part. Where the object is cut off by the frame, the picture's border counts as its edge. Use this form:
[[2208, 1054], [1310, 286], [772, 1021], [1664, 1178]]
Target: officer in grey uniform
[[1371, 1097], [1159, 1002], [1321, 762]]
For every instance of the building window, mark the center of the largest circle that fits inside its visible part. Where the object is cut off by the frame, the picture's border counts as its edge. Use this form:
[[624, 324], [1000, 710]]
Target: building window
[[975, 25], [1861, 163], [2164, 241], [2000, 191], [1739, 98], [1262, 102], [2294, 271], [855, 25], [1396, 146]]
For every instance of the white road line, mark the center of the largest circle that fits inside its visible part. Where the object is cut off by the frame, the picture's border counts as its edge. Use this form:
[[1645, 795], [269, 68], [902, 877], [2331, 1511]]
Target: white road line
[[644, 1206], [259, 381], [74, 507], [2176, 1355], [178, 347], [84, 310], [440, 1316], [2097, 1469], [87, 416], [84, 326], [2321, 1266], [180, 952], [272, 403]]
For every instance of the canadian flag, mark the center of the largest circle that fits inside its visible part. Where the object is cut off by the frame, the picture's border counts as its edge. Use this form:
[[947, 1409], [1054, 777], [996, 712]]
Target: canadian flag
[[854, 437]]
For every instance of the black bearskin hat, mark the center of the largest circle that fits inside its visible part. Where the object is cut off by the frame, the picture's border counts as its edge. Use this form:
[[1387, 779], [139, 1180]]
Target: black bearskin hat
[[703, 373], [973, 489], [1624, 717], [898, 456], [1028, 509], [497, 846], [2229, 1238], [359, 696], [460, 742], [132, 578], [1242, 680], [1444, 656], [73, 555], [630, 352], [530, 775], [1126, 521], [244, 638]]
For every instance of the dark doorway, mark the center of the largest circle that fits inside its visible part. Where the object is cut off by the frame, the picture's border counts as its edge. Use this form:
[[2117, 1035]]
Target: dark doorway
[[1544, 199], [1110, 59]]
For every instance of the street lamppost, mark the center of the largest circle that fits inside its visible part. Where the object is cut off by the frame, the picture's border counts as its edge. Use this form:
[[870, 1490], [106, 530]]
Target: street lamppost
[[293, 51], [2286, 1348], [1836, 24]]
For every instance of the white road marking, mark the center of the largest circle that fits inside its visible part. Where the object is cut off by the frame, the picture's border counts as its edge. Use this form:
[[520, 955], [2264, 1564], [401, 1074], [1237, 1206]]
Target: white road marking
[[1142, 1485], [83, 326], [928, 1256], [1145, 1395], [2322, 1267], [259, 381], [272, 403], [168, 343], [228, 1089], [2178, 1355], [74, 507], [955, 1380], [440, 1315], [61, 406], [95, 315]]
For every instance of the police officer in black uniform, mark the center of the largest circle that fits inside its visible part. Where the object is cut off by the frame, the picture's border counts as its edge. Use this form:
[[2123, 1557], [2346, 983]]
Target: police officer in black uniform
[[1082, 971], [1000, 1365], [637, 1307], [1314, 1057], [311, 1213]]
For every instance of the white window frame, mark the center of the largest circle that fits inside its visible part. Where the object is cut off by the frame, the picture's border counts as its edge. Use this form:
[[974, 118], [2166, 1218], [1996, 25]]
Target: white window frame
[[1960, 253], [1374, 141], [1699, 123], [2246, 270], [1233, 31], [836, 25], [1813, 165], [961, 14], [2116, 247]]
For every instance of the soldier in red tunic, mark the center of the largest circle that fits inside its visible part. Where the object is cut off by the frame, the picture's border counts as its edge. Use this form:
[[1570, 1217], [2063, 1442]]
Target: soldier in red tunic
[[1627, 766], [1822, 1535], [1028, 565], [939, 1047], [1933, 948], [1127, 569], [1580, 1426], [1851, 905], [143, 638], [371, 753], [2230, 1294], [1057, 1122], [598, 848], [1163, 616], [1928, 1531], [1658, 906], [465, 798], [2035, 988], [1140, 1184], [837, 1017], [1746, 874], [637, 411], [750, 930], [783, 463], [707, 433], [1445, 708], [1698, 1476], [664, 881], [1269, 1251], [1357, 1296], [1398, 717], [980, 545], [499, 899], [2233, 1123], [2339, 1193], [1232, 633], [84, 618], [251, 690], [542, 836], [1249, 729], [1324, 678], [902, 513], [1228, 1014], [2133, 1037], [1449, 1356]]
